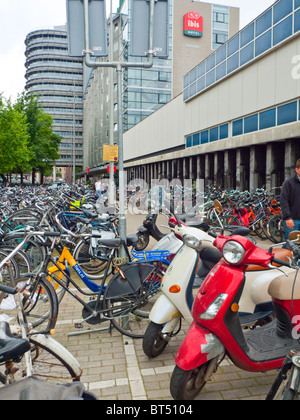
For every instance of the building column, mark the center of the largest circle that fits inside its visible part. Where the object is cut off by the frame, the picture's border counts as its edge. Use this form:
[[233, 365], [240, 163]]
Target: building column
[[270, 167], [238, 169]]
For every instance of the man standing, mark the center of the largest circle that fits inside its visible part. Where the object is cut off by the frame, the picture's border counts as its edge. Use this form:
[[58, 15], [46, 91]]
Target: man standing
[[98, 187], [290, 202]]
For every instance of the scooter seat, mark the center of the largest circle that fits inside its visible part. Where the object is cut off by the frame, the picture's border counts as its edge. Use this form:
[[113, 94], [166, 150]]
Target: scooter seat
[[282, 287], [280, 253]]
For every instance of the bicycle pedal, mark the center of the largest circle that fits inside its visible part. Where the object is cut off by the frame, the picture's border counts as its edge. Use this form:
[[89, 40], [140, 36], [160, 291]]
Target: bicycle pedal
[[78, 325]]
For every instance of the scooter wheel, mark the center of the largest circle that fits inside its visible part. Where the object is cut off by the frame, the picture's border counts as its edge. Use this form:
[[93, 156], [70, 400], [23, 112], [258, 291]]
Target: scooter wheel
[[187, 384], [143, 242], [153, 341]]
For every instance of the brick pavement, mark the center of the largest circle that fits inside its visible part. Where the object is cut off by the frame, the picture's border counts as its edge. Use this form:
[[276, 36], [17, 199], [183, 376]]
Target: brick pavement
[[115, 367]]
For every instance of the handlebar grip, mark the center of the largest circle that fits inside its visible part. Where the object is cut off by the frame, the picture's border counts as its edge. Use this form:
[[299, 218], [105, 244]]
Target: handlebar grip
[[52, 233], [281, 262], [7, 289]]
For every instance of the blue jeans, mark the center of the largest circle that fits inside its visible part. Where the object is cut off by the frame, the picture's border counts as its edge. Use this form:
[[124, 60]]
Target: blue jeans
[[287, 231]]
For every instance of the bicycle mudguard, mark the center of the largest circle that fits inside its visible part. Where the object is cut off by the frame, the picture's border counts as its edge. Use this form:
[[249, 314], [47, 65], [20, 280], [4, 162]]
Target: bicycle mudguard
[[199, 346], [135, 275], [48, 342]]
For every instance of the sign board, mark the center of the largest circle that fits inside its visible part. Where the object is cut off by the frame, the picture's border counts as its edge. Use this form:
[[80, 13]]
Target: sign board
[[139, 28], [193, 25], [97, 27], [110, 153]]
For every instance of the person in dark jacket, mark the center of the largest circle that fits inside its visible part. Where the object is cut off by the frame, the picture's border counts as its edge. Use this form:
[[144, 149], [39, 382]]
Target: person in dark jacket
[[290, 202]]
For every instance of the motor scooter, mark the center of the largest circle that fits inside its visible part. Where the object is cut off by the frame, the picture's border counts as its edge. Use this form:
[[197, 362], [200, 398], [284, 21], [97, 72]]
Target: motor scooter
[[217, 331], [184, 276]]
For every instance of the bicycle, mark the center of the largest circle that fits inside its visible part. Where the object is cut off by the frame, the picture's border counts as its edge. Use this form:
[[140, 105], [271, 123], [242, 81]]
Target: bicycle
[[125, 300], [25, 353]]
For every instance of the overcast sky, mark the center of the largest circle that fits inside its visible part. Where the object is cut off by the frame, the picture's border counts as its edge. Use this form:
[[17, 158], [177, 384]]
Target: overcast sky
[[19, 17]]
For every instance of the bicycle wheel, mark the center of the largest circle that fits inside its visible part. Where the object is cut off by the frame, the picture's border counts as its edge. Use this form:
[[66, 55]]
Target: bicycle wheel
[[93, 267], [129, 297], [20, 219], [275, 229], [40, 305]]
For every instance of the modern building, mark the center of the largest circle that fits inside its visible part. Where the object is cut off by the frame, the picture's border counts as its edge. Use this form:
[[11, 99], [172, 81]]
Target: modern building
[[147, 90], [237, 121], [58, 81]]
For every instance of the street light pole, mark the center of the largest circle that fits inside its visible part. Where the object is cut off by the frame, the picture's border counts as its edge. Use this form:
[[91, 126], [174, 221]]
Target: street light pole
[[119, 65], [74, 147]]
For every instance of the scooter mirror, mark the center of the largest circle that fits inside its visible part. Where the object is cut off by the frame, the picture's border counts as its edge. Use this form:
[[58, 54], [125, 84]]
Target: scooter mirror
[[218, 206], [295, 237]]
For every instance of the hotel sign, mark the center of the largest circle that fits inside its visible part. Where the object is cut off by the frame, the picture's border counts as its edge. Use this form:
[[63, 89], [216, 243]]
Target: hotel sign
[[193, 25]]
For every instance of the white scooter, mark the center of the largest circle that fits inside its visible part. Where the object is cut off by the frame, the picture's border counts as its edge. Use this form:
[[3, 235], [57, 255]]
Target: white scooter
[[175, 301]]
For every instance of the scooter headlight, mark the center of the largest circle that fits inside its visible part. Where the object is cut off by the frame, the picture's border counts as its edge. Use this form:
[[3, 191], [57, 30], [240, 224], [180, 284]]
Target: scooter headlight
[[233, 252], [214, 308], [192, 241]]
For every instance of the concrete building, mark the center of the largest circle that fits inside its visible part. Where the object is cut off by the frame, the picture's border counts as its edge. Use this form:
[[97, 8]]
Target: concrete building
[[147, 90], [58, 81], [236, 123]]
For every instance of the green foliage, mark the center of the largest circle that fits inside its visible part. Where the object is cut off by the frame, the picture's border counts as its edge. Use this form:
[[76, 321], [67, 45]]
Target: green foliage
[[27, 141], [14, 138]]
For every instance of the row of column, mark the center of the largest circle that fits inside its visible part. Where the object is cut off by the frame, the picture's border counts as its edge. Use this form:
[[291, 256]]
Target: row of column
[[246, 168]]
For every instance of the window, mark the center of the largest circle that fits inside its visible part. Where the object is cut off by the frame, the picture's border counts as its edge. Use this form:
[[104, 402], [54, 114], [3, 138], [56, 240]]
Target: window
[[267, 119], [233, 63], [251, 123], [204, 137], [223, 131], [283, 30], [247, 35], [221, 71], [247, 54], [282, 9], [196, 139], [237, 127], [233, 45], [214, 134], [263, 43], [189, 141], [287, 113]]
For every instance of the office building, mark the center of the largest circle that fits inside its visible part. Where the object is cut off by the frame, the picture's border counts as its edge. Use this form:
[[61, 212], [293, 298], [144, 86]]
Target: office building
[[147, 90], [58, 81], [237, 121]]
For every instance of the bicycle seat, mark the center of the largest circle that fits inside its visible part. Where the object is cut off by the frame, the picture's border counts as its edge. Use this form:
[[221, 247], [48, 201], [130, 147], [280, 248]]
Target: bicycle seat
[[132, 239], [11, 346], [111, 243]]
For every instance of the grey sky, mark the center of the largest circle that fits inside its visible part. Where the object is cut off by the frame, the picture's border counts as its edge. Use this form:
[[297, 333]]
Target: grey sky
[[19, 17]]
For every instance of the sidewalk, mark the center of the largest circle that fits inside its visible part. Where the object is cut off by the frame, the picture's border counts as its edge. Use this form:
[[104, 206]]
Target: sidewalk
[[115, 367]]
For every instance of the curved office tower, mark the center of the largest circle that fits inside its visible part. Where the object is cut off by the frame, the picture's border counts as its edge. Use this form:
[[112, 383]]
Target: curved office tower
[[58, 81]]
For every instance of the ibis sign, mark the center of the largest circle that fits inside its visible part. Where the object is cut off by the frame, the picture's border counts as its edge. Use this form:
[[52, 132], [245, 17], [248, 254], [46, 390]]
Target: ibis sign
[[193, 25]]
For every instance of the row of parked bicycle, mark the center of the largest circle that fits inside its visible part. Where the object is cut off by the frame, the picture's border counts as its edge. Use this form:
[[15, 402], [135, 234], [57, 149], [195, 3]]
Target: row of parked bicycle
[[145, 293]]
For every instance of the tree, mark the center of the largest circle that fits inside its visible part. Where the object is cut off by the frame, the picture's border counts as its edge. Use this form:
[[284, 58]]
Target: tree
[[14, 138], [43, 142]]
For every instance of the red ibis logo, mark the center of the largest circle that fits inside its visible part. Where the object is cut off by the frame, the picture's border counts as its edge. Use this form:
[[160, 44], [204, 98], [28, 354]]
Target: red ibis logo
[[193, 24]]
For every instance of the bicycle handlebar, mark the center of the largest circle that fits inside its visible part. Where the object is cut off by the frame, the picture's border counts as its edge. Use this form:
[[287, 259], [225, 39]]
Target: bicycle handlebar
[[25, 240]]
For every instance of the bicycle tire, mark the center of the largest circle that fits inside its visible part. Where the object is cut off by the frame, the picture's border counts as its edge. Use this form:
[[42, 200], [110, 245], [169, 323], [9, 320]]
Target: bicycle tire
[[275, 230], [129, 301], [37, 313], [93, 267]]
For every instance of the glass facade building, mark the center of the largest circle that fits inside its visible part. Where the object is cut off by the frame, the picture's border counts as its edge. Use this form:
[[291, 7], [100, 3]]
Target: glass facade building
[[57, 80], [145, 90], [275, 25]]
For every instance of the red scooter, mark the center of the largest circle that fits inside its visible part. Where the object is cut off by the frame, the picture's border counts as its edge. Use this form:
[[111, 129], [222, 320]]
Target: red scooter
[[216, 330]]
